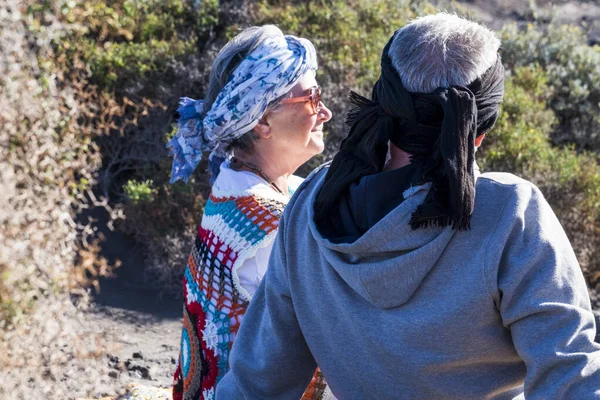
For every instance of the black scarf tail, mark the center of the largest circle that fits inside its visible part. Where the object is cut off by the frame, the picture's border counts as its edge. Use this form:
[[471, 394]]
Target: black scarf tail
[[452, 198]]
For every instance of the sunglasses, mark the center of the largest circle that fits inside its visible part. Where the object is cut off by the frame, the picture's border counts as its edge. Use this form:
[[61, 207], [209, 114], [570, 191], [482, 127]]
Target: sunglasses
[[314, 97]]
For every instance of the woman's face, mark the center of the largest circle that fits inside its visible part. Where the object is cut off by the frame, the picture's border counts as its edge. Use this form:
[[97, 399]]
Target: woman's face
[[296, 129]]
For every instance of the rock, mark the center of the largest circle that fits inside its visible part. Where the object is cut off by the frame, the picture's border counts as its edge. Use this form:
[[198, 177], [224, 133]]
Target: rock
[[138, 354], [112, 358], [137, 370], [594, 38], [140, 372], [113, 374]]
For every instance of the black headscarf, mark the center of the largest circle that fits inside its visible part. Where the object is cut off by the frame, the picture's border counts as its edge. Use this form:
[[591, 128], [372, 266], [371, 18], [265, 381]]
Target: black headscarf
[[438, 129]]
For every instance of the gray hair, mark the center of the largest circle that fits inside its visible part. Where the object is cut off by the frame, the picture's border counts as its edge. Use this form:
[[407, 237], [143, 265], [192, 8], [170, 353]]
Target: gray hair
[[228, 59], [442, 50]]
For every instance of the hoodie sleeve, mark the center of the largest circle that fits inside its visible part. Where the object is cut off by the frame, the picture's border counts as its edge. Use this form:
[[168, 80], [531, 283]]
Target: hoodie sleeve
[[270, 359], [542, 298]]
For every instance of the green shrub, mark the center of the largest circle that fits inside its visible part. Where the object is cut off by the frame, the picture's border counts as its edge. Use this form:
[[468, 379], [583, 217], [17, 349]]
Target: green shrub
[[139, 191], [124, 41], [118, 61], [573, 70], [348, 35], [570, 180], [132, 60]]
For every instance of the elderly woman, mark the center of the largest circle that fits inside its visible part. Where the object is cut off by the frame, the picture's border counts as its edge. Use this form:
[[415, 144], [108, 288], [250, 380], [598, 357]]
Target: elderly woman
[[262, 117]]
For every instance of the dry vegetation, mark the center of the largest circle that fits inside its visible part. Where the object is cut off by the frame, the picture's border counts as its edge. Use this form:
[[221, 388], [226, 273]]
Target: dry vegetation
[[49, 161]]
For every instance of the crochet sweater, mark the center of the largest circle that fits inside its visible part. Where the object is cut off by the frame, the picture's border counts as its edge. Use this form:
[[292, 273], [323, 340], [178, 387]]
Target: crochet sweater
[[240, 218]]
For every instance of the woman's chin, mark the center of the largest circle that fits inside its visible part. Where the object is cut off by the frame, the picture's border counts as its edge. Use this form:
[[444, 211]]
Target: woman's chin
[[317, 147], [317, 142]]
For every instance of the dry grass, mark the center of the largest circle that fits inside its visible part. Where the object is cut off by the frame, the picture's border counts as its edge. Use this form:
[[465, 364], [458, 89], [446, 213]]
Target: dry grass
[[49, 164]]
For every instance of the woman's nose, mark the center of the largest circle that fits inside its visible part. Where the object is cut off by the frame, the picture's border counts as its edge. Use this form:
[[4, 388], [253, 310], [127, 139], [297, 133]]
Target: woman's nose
[[324, 113]]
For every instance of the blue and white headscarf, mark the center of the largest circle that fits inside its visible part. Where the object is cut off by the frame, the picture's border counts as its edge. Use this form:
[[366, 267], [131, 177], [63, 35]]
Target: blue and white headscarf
[[266, 74]]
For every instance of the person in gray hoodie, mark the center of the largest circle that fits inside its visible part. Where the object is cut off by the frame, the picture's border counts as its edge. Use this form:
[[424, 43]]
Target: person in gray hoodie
[[402, 271]]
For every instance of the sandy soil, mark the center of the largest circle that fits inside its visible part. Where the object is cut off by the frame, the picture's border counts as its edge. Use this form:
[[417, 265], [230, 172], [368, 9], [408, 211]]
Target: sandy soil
[[130, 334], [142, 335]]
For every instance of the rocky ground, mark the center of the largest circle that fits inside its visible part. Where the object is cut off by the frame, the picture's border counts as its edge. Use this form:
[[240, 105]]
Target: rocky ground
[[142, 336], [129, 334], [141, 323]]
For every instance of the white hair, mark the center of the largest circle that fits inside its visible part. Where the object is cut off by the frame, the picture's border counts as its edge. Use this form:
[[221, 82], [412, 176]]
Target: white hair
[[442, 50]]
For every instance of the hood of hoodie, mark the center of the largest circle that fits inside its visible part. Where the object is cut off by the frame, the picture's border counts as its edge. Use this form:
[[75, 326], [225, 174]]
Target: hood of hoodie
[[387, 263]]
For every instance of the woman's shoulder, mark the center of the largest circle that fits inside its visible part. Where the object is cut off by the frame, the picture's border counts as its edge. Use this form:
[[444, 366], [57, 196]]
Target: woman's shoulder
[[235, 182], [243, 195]]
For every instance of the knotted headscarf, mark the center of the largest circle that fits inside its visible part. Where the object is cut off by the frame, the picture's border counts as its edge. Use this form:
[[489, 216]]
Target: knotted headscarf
[[437, 129], [266, 74]]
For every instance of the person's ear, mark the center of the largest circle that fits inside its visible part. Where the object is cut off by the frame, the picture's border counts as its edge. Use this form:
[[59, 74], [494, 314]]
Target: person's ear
[[263, 129], [478, 140]]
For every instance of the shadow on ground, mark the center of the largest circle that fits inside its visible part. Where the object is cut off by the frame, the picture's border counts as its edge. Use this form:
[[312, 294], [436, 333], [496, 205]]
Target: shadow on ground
[[128, 288]]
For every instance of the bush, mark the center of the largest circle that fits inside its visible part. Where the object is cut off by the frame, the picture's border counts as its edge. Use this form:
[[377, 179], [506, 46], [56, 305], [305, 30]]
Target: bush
[[570, 180], [139, 58], [138, 192], [573, 70], [50, 162], [126, 41]]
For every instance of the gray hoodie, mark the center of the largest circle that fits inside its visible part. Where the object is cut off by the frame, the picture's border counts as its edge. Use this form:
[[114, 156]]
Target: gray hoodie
[[497, 312]]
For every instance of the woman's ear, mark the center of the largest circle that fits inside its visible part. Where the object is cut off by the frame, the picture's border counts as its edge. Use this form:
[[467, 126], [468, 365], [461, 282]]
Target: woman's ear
[[263, 129], [478, 140]]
